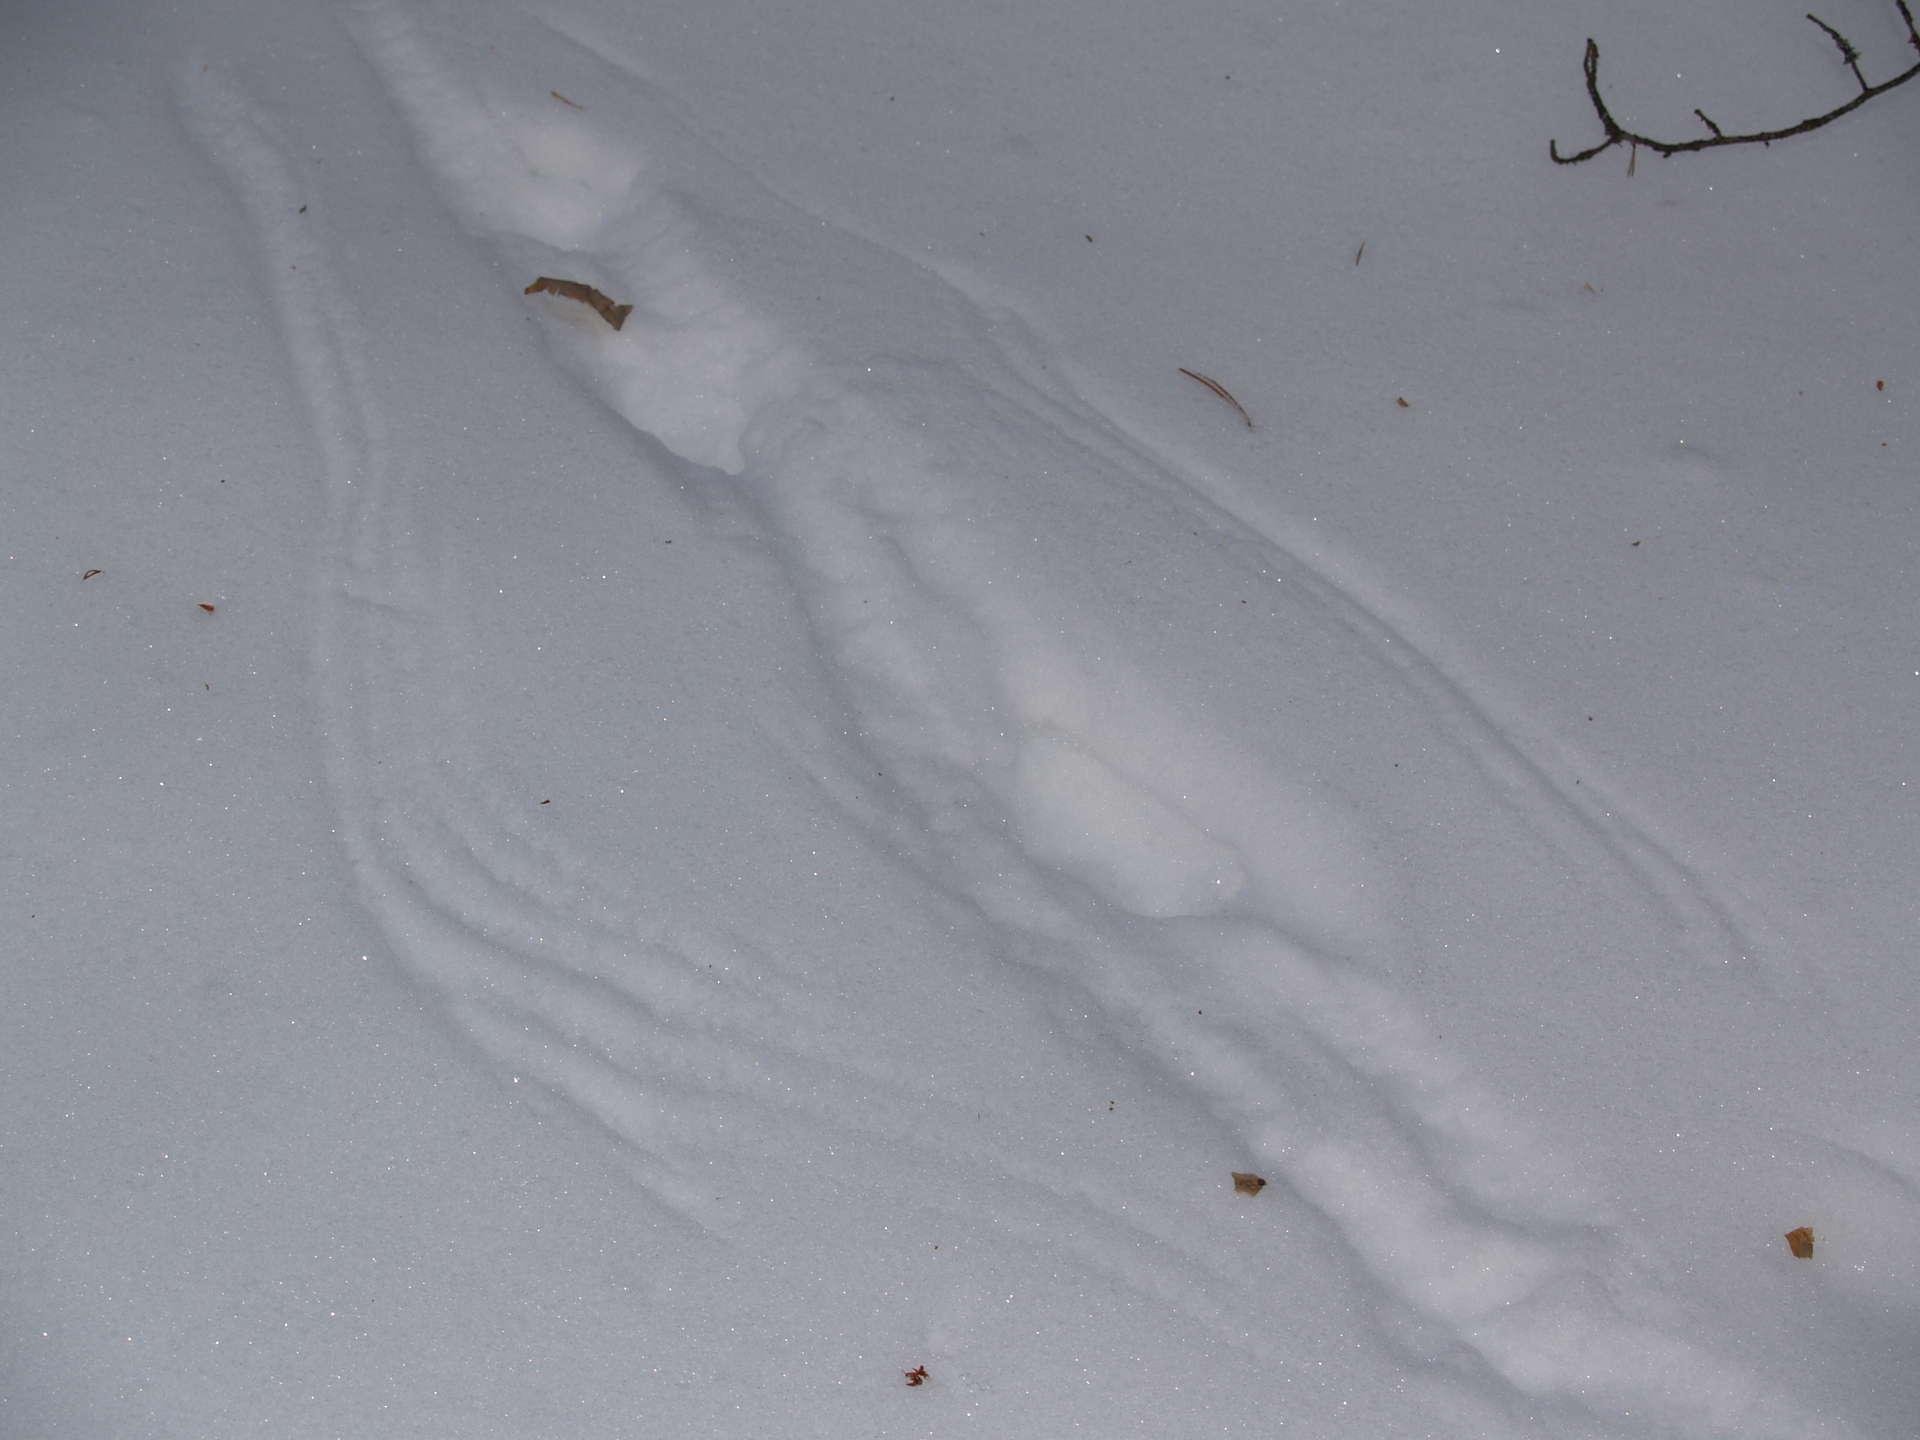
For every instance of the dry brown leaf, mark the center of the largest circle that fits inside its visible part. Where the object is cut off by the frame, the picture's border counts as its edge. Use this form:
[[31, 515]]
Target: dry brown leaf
[[614, 315], [1800, 1242], [1245, 1184], [1402, 402], [1221, 391], [917, 1375], [91, 573], [206, 607]]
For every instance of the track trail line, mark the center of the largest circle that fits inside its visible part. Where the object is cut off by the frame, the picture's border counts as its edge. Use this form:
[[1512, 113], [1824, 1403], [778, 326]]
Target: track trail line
[[466, 909], [821, 456], [1456, 1212], [556, 973], [1563, 798], [1540, 779]]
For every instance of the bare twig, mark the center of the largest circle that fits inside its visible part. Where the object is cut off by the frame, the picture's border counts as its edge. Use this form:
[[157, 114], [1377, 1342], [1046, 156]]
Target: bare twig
[[1221, 391], [1847, 52], [1618, 134], [565, 101]]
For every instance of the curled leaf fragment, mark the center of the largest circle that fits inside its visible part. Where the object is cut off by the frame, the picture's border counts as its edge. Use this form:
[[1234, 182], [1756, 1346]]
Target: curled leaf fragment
[[1245, 1184], [614, 315], [91, 573], [1800, 1242]]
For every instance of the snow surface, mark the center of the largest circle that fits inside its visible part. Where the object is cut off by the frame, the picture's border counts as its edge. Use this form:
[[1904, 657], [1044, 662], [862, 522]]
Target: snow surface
[[690, 871]]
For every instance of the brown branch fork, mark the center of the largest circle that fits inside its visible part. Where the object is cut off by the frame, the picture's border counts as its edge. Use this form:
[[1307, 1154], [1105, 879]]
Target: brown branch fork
[[1618, 134]]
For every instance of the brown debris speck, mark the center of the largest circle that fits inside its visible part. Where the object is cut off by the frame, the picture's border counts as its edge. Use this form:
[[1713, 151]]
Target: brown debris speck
[[614, 315]]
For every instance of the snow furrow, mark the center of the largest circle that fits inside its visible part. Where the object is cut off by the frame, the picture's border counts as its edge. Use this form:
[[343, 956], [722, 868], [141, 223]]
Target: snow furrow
[[1217, 897]]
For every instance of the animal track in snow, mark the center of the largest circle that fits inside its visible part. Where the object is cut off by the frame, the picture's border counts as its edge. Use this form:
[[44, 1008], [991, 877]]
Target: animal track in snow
[[1136, 880]]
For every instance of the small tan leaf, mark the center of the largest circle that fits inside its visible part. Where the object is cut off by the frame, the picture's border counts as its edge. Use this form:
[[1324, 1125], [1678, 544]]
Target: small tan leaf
[[1245, 1184], [1401, 401], [1800, 1242], [614, 315], [206, 607]]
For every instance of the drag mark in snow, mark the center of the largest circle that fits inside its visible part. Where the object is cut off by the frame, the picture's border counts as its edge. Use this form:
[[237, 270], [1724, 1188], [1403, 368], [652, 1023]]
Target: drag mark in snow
[[1036, 788], [1542, 782], [459, 914], [1563, 798], [617, 1018]]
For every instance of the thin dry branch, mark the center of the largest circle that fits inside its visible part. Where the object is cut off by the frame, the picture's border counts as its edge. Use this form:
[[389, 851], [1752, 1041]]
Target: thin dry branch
[[1221, 391], [1618, 134], [1847, 52]]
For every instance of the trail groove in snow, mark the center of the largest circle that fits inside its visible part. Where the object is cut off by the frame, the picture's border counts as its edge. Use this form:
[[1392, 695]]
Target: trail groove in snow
[[560, 976], [1019, 725], [421, 869], [1545, 785]]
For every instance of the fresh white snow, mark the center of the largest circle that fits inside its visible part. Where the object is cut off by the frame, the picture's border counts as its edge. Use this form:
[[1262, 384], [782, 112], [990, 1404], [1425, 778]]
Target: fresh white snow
[[587, 883]]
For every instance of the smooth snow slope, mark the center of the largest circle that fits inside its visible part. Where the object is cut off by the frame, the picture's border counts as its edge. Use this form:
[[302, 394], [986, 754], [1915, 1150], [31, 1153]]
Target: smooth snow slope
[[692, 870]]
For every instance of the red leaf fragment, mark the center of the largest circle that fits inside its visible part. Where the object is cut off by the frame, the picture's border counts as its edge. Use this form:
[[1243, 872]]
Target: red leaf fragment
[[917, 1375]]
